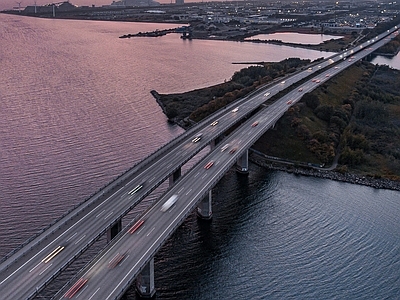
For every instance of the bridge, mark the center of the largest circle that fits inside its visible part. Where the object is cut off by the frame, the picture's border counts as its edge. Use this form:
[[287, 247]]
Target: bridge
[[28, 270]]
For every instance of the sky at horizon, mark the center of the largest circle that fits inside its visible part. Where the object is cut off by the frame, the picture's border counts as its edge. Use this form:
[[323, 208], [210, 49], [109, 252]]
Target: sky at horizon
[[10, 4]]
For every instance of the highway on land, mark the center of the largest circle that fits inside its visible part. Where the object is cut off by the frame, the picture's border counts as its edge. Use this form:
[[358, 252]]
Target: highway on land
[[30, 269], [116, 267]]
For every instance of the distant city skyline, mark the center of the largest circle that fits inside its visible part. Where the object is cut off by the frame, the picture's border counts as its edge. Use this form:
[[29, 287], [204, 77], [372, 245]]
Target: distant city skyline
[[10, 4]]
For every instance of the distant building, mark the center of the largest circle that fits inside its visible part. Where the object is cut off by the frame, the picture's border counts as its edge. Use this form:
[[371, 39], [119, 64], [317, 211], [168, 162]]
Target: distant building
[[125, 3], [61, 6], [179, 2]]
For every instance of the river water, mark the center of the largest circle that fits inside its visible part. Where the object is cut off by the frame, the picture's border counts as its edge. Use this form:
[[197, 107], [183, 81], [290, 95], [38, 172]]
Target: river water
[[76, 111], [294, 37]]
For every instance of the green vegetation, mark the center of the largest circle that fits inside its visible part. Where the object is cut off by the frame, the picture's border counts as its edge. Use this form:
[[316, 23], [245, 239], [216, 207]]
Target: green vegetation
[[391, 48], [354, 117], [200, 103]]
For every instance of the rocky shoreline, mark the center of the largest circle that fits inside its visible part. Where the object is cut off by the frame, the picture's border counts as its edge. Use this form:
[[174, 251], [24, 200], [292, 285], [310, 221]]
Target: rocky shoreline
[[378, 183]]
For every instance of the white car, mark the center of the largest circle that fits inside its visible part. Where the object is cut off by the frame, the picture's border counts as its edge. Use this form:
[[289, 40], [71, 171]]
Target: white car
[[171, 201]]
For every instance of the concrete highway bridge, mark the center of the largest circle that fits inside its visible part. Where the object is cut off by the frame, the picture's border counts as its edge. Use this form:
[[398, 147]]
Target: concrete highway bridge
[[129, 257]]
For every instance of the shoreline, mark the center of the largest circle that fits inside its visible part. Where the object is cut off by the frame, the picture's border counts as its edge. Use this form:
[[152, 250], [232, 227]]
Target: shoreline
[[378, 183]]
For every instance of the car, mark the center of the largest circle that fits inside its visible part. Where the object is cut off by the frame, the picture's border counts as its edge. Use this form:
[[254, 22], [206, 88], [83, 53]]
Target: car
[[235, 109], [75, 288], [300, 89], [267, 94], [209, 165], [233, 150], [283, 82], [319, 66], [317, 81], [137, 188], [53, 254], [136, 226], [171, 201], [309, 69], [254, 124], [289, 102], [336, 67], [224, 147], [314, 80], [117, 260], [214, 123], [197, 138], [327, 75]]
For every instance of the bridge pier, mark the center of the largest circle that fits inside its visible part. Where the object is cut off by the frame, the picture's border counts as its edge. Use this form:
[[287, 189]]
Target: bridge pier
[[114, 230], [145, 281], [215, 142], [242, 164], [204, 209], [174, 177]]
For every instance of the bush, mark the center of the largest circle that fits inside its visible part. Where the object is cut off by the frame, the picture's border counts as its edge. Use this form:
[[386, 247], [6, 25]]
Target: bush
[[311, 100], [324, 112]]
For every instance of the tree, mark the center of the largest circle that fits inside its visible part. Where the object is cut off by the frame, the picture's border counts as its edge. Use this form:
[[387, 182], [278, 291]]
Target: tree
[[311, 100]]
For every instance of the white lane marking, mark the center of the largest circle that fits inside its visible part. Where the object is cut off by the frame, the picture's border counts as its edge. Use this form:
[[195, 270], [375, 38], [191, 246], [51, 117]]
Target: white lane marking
[[150, 231], [90, 298], [80, 239], [155, 242], [188, 192], [35, 267], [82, 290], [196, 175], [100, 214], [113, 258], [108, 215], [181, 190], [204, 176], [125, 258], [56, 239], [72, 236], [142, 227], [45, 269], [152, 179]]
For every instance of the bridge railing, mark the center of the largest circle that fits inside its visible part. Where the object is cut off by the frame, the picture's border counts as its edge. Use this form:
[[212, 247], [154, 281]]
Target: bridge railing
[[112, 184], [253, 139]]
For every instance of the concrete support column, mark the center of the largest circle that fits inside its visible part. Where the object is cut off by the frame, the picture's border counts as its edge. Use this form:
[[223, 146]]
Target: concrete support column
[[242, 164], [174, 177], [213, 144], [145, 281], [204, 209], [114, 230]]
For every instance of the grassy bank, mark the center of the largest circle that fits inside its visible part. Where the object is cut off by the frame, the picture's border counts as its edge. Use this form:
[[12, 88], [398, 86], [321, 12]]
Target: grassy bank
[[355, 116]]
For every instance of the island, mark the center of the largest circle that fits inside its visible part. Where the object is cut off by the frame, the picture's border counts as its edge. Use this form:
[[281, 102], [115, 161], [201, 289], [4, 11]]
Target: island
[[348, 129]]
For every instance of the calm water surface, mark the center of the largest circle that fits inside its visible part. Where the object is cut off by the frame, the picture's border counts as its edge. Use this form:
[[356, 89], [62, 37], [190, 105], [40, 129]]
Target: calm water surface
[[76, 112], [393, 62], [294, 37]]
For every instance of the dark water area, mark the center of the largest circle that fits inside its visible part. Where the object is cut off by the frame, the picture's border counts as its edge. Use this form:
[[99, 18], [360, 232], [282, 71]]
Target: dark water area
[[76, 112], [282, 236]]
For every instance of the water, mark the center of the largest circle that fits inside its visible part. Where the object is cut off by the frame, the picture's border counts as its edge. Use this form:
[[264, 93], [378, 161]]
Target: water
[[393, 62], [294, 37], [76, 112]]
